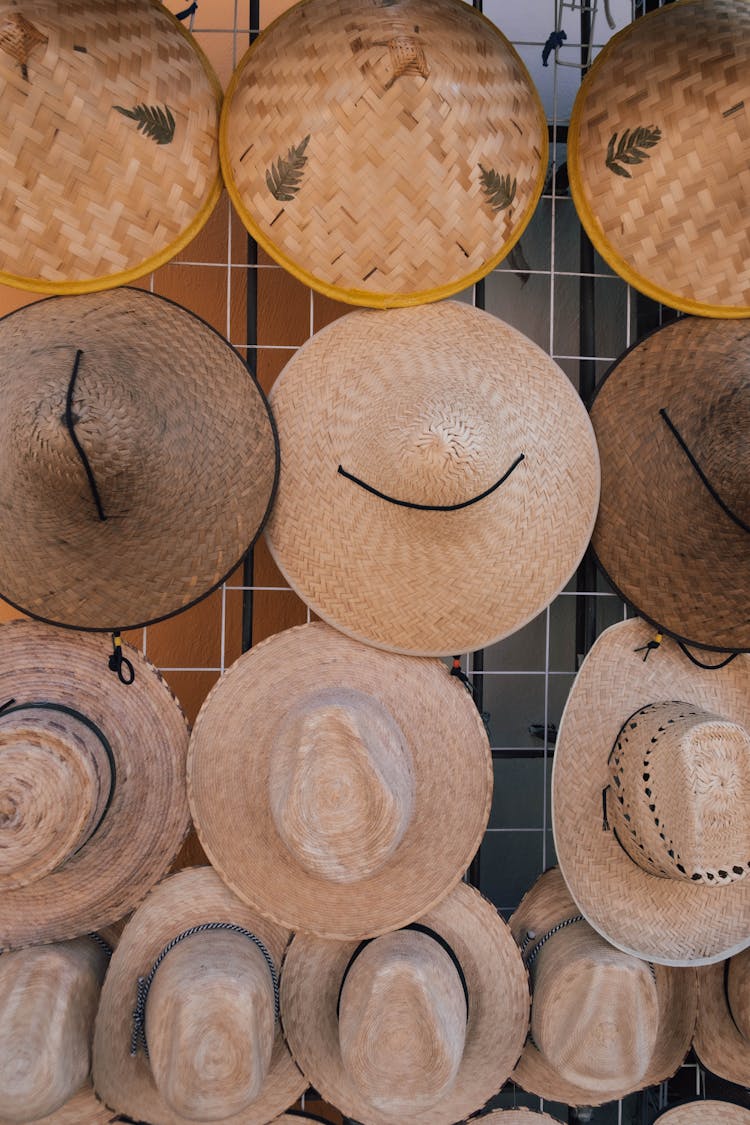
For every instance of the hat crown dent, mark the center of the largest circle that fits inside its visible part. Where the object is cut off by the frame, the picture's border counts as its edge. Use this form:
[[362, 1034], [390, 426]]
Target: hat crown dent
[[718, 441], [48, 1001], [738, 991], [402, 1022], [210, 1026], [341, 784], [681, 783], [55, 782]]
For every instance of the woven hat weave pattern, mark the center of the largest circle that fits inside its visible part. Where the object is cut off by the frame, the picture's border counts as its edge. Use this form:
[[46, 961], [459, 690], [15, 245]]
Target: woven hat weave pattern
[[708, 1112], [722, 1031]]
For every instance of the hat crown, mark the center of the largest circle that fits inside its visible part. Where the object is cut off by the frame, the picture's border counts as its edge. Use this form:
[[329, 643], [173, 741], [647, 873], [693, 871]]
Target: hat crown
[[210, 1025], [718, 441], [738, 991], [341, 786], [681, 784], [402, 1022]]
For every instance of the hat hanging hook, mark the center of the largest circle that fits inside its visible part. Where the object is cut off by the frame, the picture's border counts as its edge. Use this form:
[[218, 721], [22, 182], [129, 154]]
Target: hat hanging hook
[[119, 663]]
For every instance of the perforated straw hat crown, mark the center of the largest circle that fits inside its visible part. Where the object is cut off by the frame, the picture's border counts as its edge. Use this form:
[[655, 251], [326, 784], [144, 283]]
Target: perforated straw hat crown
[[108, 143], [384, 153], [709, 1112], [722, 1031]]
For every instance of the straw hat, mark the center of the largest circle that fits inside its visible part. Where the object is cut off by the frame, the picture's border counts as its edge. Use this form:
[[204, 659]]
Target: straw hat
[[421, 1026], [705, 1113], [108, 142], [664, 746], [314, 770], [480, 456], [139, 459], [385, 154], [93, 806], [517, 1117], [672, 419], [84, 1108], [657, 155], [722, 1033], [603, 1023], [201, 969]]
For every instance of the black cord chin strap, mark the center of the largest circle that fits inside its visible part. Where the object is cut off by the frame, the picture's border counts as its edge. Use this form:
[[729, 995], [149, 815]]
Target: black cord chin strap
[[70, 423]]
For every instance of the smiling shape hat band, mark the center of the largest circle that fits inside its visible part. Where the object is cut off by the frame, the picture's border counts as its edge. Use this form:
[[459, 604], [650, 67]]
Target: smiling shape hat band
[[439, 478]]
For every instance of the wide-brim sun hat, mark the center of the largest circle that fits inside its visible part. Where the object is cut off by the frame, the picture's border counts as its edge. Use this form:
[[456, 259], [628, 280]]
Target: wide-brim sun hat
[[650, 796], [672, 419], [109, 142], [722, 1031], [139, 459], [421, 1026], [92, 776], [202, 970], [603, 1023], [658, 155], [314, 768], [429, 459], [708, 1112], [384, 154]]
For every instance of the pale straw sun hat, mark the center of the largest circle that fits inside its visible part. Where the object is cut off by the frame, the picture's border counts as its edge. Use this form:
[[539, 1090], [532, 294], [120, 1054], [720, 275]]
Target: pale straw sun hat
[[421, 1025], [707, 1112], [439, 477], [651, 798], [108, 142], [314, 770], [139, 459], [603, 1023], [722, 1032], [201, 970], [92, 783], [384, 153], [516, 1117]]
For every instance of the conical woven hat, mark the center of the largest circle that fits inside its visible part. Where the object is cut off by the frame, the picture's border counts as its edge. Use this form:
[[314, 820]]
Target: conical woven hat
[[658, 155], [139, 459], [611, 1023], [689, 918], [314, 768], [672, 420], [479, 454], [385, 154], [722, 1032], [705, 1113], [92, 777], [193, 898], [464, 927], [108, 142]]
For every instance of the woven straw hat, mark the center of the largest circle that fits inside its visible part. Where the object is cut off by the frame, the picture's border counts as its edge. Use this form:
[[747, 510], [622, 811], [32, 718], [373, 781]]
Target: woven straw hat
[[672, 420], [479, 454], [384, 153], [421, 1026], [210, 1046], [92, 778], [517, 1117], [314, 769], [657, 155], [108, 142], [84, 1108], [603, 1023], [139, 459], [705, 1113], [665, 747], [722, 1032]]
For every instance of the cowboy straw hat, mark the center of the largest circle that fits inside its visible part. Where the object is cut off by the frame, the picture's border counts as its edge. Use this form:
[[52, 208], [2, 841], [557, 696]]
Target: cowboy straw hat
[[722, 1032], [139, 459], [108, 142], [92, 783], [314, 769], [657, 156], [384, 154], [671, 420], [650, 808], [188, 1026], [429, 457], [603, 1023], [708, 1112], [421, 1025]]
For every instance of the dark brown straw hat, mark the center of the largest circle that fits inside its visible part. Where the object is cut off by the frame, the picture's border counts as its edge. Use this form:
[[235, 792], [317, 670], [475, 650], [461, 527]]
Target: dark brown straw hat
[[722, 1033], [139, 459], [658, 155], [384, 153], [108, 142], [672, 421]]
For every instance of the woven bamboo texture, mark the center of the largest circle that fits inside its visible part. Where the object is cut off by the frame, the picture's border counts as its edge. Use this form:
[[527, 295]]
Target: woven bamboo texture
[[659, 155], [108, 142], [386, 154]]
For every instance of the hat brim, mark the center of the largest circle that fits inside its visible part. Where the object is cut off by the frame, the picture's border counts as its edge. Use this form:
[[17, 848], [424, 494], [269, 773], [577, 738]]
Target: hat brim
[[496, 982], [148, 817], [709, 1112], [667, 921], [228, 781], [124, 1082], [518, 1117], [718, 1042], [549, 902], [84, 1108]]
